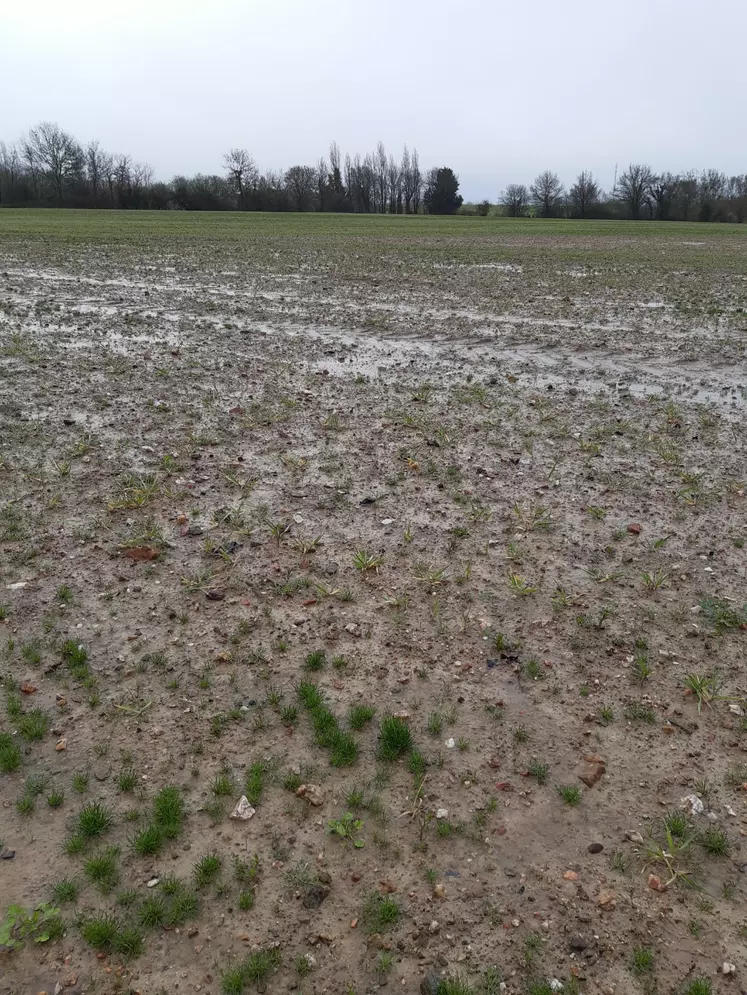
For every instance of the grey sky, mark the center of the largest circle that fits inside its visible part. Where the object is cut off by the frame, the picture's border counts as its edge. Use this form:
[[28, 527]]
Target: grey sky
[[497, 90]]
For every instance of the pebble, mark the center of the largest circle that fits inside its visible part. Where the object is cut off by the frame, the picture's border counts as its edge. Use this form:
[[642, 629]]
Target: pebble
[[578, 942], [595, 847]]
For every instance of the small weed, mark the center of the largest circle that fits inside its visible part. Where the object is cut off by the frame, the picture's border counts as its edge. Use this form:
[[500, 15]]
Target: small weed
[[395, 738], [699, 986], [538, 770], [347, 828], [147, 841], [103, 868], [636, 711], [704, 687], [642, 961], [65, 890], [207, 869], [570, 794], [255, 782], [10, 754], [33, 725], [126, 780], [381, 913], [152, 912], [364, 560], [435, 724], [359, 715], [93, 820], [715, 841], [223, 784], [654, 581], [99, 931], [315, 660]]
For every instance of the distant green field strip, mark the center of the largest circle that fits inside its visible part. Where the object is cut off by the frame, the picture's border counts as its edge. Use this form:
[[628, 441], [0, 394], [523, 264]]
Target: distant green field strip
[[134, 226]]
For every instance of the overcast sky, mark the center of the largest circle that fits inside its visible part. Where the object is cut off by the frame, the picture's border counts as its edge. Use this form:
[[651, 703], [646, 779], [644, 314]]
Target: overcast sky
[[498, 90]]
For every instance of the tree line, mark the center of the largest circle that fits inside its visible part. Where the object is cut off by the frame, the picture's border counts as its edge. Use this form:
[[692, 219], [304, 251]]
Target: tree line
[[50, 167]]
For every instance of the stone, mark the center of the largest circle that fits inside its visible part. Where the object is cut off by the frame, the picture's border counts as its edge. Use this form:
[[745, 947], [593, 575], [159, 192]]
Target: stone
[[578, 942], [607, 900], [141, 553], [430, 984], [313, 794], [315, 895], [442, 813], [693, 803], [592, 773], [595, 848], [243, 810]]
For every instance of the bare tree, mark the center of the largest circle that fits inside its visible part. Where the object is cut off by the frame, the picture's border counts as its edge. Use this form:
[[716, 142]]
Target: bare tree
[[633, 188], [394, 183], [417, 181], [107, 174], [299, 183], [687, 194], [335, 175], [662, 190], [515, 199], [380, 163], [242, 173], [547, 193], [405, 171], [94, 157], [122, 166], [10, 168], [48, 149], [583, 194], [321, 184]]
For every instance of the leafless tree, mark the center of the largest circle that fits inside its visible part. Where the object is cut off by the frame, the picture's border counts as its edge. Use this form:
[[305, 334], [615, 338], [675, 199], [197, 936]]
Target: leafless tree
[[95, 157], [380, 163], [547, 193], [583, 194], [321, 184], [335, 175], [299, 182], [108, 176], [48, 149], [662, 190], [242, 173], [633, 188], [417, 181], [394, 183], [687, 194], [10, 169], [405, 170], [515, 199]]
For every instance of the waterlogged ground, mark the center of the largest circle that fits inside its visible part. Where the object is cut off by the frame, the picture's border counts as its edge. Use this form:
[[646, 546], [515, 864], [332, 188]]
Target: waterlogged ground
[[267, 484]]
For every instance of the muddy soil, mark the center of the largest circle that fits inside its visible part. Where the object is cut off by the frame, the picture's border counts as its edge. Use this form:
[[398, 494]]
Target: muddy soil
[[505, 500]]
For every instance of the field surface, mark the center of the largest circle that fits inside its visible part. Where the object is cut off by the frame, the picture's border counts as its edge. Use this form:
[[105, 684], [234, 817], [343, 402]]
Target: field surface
[[424, 536]]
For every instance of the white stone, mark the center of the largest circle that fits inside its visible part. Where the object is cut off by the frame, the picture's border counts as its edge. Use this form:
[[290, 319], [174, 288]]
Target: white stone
[[243, 810]]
